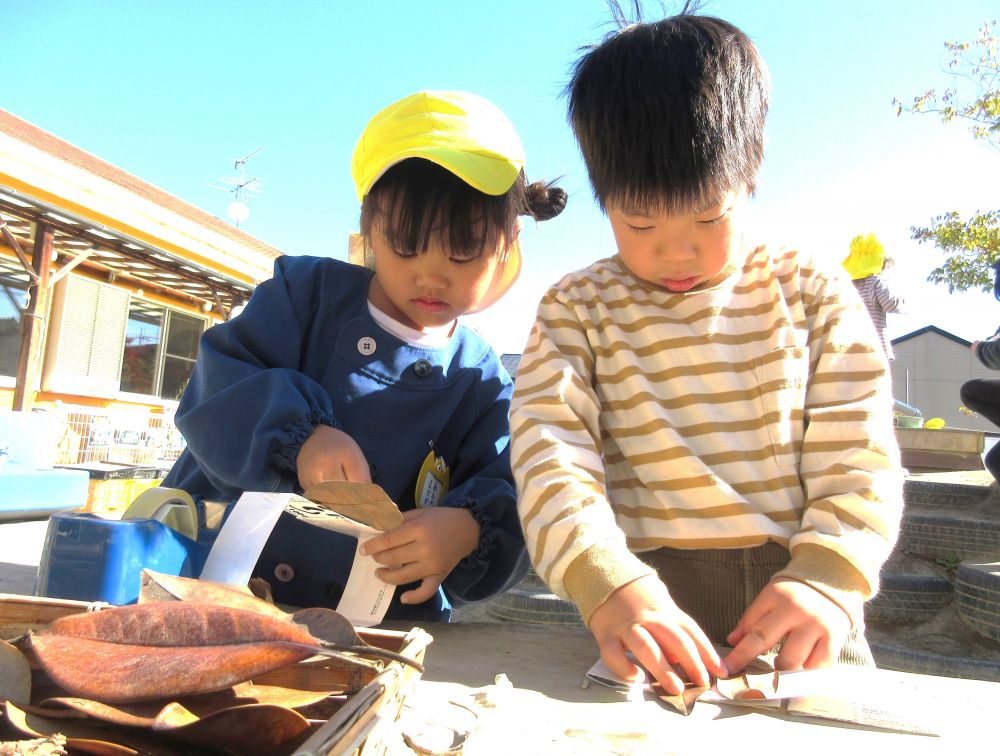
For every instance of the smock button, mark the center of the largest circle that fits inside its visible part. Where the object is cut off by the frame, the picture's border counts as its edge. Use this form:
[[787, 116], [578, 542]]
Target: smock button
[[284, 572], [422, 368], [366, 345]]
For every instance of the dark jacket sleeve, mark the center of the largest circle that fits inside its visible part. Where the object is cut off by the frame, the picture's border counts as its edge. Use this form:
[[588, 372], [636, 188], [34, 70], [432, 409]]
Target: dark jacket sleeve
[[247, 409], [487, 491], [988, 353]]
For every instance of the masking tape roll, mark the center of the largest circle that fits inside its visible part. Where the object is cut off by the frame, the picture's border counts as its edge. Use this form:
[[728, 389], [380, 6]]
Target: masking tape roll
[[171, 506]]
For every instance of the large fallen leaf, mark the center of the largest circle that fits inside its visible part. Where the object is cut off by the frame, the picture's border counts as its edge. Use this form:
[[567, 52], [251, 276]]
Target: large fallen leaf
[[363, 502], [323, 623], [187, 709], [15, 674], [156, 587], [134, 653], [84, 738], [258, 728]]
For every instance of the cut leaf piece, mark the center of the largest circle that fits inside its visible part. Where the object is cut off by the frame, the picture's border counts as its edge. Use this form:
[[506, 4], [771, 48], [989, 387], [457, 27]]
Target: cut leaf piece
[[363, 502], [158, 587]]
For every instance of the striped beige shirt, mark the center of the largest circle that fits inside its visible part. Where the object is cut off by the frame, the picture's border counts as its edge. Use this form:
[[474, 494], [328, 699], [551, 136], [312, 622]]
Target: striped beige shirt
[[755, 410]]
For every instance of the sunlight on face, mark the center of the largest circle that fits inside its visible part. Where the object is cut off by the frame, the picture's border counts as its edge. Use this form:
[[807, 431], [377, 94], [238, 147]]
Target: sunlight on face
[[680, 252], [430, 289]]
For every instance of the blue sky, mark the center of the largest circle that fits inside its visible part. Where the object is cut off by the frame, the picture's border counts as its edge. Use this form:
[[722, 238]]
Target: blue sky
[[175, 92]]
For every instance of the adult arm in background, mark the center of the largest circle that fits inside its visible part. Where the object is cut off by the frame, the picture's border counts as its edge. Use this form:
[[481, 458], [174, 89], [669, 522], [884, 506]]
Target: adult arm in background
[[248, 409]]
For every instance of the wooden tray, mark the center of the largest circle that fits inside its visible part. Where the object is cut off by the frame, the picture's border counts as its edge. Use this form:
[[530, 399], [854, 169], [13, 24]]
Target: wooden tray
[[364, 724]]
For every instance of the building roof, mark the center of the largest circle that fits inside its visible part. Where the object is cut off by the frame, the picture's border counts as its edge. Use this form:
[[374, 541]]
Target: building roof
[[41, 168], [930, 329]]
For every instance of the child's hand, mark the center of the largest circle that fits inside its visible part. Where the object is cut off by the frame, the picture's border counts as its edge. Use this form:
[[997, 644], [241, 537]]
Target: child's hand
[[813, 627], [426, 547], [330, 454], [641, 617]]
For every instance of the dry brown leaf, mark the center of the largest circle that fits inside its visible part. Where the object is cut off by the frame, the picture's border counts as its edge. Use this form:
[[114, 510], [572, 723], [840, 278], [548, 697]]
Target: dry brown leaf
[[133, 653], [186, 709], [682, 703], [363, 502], [328, 625], [258, 728], [157, 587], [15, 674], [81, 737]]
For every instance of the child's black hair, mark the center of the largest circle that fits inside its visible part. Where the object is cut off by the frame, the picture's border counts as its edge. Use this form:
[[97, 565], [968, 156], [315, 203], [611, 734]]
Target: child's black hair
[[670, 114], [417, 201]]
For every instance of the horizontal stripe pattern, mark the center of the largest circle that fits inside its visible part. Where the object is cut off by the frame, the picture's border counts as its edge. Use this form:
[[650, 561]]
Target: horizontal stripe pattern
[[755, 410]]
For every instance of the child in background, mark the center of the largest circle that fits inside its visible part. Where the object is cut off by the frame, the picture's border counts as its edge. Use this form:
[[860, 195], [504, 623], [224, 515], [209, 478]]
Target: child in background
[[701, 425], [338, 372], [865, 263]]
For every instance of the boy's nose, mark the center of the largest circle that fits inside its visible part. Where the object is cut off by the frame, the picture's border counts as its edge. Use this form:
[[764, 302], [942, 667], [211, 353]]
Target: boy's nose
[[675, 250]]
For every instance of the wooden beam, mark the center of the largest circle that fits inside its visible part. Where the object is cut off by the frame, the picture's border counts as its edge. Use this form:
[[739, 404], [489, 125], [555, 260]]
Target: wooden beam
[[29, 362]]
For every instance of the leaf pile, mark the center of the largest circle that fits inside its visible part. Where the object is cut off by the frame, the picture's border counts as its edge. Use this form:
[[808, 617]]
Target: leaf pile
[[175, 672]]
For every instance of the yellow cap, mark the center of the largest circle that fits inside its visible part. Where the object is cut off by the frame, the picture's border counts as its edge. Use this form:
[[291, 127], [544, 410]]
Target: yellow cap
[[866, 258], [463, 133]]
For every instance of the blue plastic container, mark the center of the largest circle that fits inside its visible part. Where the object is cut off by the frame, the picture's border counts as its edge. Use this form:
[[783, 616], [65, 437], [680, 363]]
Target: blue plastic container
[[91, 558]]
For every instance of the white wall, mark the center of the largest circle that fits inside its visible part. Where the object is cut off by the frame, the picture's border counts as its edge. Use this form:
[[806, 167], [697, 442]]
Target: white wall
[[927, 373]]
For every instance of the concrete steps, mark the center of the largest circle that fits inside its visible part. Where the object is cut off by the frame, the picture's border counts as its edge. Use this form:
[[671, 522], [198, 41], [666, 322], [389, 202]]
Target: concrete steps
[[938, 610]]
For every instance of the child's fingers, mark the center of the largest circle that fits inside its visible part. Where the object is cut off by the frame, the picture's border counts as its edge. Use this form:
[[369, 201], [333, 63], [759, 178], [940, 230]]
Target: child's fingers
[[377, 546], [428, 587], [761, 637], [688, 653], [354, 467], [651, 655], [399, 574], [801, 645], [698, 659], [613, 654]]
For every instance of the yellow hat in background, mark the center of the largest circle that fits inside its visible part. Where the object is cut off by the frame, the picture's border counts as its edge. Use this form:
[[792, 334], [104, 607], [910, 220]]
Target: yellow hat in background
[[463, 133], [866, 258]]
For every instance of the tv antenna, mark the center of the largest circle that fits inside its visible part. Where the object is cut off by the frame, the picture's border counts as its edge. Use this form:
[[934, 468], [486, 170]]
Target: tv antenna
[[242, 187]]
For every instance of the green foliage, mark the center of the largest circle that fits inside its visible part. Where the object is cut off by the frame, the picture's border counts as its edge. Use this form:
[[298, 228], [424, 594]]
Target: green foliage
[[950, 562], [972, 244], [973, 64]]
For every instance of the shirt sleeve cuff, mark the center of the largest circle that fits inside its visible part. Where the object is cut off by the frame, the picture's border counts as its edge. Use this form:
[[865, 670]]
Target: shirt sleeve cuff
[[286, 446], [832, 575], [598, 572]]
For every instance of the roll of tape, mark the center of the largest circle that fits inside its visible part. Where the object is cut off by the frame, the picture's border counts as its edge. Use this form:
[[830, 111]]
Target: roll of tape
[[171, 506]]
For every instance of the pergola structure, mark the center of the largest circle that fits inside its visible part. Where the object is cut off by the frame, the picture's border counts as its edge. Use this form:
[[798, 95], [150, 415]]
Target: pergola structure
[[62, 209]]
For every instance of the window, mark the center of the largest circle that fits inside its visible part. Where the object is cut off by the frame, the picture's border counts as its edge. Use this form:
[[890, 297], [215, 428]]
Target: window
[[161, 346], [13, 300]]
